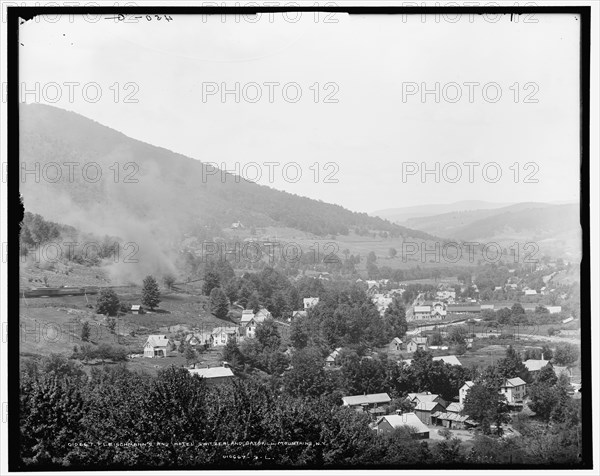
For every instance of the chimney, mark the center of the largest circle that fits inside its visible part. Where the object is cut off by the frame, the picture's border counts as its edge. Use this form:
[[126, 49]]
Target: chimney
[[543, 356]]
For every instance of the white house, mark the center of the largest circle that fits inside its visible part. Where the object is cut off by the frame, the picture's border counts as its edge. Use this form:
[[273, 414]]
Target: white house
[[331, 359], [192, 340], [299, 314], [250, 321], [421, 312], [221, 335], [416, 343], [156, 346], [436, 310], [310, 302], [199, 338], [554, 309], [462, 392], [396, 344], [514, 389], [446, 295], [262, 314]]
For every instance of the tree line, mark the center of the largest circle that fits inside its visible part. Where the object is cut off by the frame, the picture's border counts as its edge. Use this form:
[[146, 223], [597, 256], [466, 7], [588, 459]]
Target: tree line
[[116, 418]]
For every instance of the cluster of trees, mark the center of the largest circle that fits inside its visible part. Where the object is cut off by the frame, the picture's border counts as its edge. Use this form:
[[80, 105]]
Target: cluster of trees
[[377, 374], [268, 288], [175, 420], [265, 351], [345, 316], [79, 248], [108, 301], [549, 395], [35, 230]]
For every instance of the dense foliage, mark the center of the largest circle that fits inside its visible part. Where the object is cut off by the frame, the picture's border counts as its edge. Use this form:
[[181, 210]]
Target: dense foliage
[[118, 418]]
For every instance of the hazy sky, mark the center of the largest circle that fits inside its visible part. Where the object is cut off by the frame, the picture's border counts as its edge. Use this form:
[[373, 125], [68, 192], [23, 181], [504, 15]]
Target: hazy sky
[[373, 134]]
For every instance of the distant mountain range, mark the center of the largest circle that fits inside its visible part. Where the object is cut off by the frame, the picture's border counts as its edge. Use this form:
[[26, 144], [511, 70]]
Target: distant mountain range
[[148, 190], [400, 215], [554, 227]]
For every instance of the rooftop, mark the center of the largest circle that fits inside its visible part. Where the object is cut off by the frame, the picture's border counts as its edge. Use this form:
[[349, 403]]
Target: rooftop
[[514, 382], [157, 340], [533, 365], [450, 416], [212, 372], [423, 397], [227, 330], [366, 399], [454, 407], [406, 419], [448, 359], [426, 405]]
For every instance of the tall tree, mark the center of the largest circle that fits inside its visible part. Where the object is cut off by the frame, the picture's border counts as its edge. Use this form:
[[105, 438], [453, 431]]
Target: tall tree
[[108, 302], [150, 292], [169, 281], [268, 334], [548, 394], [307, 376], [486, 406], [211, 281], [566, 354], [219, 304], [511, 366], [232, 355], [253, 302], [190, 354], [395, 318], [85, 331]]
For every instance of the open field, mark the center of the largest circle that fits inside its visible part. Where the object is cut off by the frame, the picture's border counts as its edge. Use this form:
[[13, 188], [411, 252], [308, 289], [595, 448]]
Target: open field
[[53, 325], [356, 244], [211, 358], [34, 274]]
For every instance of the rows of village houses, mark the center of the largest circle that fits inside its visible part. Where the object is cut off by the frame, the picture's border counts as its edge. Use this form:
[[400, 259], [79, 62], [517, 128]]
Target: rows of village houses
[[157, 345], [430, 412], [445, 302]]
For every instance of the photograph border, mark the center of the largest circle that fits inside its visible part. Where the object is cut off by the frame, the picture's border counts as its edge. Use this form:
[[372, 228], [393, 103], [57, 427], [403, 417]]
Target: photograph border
[[18, 14]]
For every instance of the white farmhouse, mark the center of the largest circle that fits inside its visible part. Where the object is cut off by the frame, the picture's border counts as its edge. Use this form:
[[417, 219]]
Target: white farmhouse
[[156, 346]]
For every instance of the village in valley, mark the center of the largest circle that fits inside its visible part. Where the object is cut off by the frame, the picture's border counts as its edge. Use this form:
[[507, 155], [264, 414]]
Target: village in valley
[[424, 412], [467, 357]]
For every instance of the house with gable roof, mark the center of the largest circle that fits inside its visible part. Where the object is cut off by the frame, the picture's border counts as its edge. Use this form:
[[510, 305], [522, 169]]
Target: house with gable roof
[[156, 346], [514, 389], [388, 423]]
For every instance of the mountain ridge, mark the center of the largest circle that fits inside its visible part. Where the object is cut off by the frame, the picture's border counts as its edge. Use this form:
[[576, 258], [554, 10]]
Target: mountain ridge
[[170, 183]]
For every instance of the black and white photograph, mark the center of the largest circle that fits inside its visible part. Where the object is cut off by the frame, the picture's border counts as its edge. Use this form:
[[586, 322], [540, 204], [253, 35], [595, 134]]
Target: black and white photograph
[[299, 236]]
